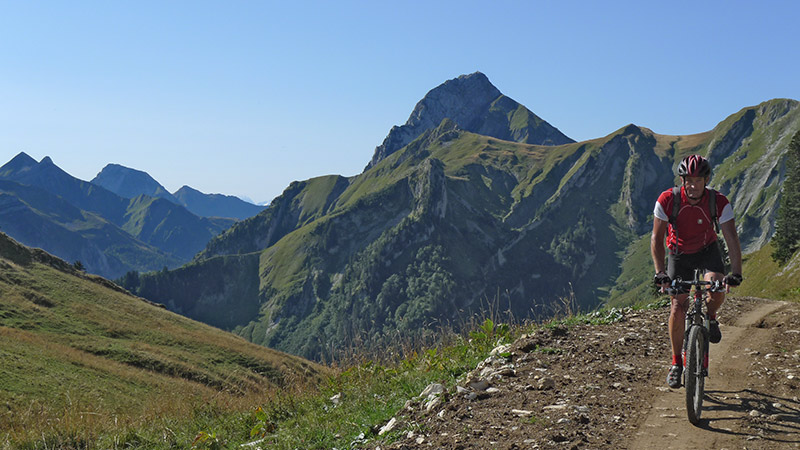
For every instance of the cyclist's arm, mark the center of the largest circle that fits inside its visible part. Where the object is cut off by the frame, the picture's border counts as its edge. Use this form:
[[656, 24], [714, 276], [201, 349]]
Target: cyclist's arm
[[734, 247], [657, 244]]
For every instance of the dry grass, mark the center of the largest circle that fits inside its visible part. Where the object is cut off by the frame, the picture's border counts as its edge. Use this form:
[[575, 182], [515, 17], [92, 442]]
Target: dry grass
[[81, 362]]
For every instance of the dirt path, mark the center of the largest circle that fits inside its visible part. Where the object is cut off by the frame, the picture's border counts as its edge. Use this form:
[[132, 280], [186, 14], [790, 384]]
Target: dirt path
[[603, 386], [734, 400]]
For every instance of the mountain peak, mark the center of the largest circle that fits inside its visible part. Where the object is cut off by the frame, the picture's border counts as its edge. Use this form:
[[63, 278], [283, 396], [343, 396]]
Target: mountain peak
[[22, 159], [130, 183], [17, 164], [477, 106]]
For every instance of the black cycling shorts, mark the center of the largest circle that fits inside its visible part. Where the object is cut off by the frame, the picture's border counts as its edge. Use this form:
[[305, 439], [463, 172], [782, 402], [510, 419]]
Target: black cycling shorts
[[683, 265]]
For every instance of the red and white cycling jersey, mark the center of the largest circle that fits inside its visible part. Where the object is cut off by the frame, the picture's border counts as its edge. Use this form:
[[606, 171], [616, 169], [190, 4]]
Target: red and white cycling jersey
[[696, 231]]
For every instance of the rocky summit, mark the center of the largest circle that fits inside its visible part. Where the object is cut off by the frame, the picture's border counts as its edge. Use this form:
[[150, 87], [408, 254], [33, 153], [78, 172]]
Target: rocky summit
[[476, 105]]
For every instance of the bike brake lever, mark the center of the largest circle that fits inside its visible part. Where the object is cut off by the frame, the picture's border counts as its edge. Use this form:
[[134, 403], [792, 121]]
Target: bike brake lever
[[719, 286]]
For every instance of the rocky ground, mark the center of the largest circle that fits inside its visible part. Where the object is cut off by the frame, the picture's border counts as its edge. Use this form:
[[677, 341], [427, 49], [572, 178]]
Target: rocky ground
[[603, 386]]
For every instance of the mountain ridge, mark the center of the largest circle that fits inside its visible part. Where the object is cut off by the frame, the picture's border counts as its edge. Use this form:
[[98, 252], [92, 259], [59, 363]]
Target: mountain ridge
[[98, 230], [131, 183], [469, 217]]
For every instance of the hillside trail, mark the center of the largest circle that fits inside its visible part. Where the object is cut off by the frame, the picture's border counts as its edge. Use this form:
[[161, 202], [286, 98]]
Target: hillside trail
[[730, 397], [603, 386]]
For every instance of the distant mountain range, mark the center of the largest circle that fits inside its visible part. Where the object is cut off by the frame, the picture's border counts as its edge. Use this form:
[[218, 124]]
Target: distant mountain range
[[130, 183], [138, 226], [463, 210]]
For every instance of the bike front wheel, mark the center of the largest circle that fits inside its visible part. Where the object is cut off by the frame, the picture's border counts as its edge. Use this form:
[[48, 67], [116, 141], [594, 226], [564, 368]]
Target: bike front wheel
[[694, 377]]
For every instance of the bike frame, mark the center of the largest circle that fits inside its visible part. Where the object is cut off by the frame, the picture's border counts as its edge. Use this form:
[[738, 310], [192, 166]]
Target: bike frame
[[695, 341]]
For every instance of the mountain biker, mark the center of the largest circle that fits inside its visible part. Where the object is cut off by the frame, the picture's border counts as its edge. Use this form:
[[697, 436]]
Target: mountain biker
[[692, 243]]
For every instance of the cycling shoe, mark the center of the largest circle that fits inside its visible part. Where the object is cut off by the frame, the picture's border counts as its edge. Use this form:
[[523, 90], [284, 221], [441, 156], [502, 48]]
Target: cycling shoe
[[714, 335], [674, 376]]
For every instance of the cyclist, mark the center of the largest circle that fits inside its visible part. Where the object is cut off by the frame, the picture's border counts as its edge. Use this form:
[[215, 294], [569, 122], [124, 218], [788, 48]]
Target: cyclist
[[692, 243]]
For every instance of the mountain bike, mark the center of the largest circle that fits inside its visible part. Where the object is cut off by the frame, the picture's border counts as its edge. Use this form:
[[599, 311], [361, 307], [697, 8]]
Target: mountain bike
[[695, 340]]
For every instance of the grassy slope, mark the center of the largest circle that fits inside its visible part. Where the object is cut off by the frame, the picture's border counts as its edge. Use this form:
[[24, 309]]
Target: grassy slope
[[765, 278], [75, 353]]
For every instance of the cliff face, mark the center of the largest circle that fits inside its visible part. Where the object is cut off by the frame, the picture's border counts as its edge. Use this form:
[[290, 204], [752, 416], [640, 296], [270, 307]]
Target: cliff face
[[475, 105], [748, 152]]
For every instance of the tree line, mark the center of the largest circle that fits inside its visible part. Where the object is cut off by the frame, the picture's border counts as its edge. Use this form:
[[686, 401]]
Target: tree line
[[786, 240]]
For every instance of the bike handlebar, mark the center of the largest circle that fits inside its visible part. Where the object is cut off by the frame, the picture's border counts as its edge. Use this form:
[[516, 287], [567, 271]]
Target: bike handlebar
[[677, 285]]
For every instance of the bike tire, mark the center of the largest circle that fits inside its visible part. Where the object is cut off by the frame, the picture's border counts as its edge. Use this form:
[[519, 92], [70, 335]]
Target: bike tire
[[694, 379]]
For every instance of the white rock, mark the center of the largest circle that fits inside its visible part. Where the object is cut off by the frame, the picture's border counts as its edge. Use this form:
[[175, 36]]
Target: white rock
[[521, 412], [433, 389], [754, 413], [336, 399], [500, 349], [433, 401], [555, 407], [492, 390], [388, 427]]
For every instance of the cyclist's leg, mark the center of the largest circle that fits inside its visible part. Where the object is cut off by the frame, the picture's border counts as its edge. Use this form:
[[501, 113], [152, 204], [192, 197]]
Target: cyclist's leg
[[679, 266], [715, 268], [677, 324], [715, 298]]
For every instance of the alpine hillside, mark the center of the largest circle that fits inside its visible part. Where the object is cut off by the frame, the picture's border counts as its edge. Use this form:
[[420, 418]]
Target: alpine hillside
[[460, 219], [78, 351]]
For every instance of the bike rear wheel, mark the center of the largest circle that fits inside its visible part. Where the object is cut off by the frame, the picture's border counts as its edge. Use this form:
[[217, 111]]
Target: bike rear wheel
[[694, 378]]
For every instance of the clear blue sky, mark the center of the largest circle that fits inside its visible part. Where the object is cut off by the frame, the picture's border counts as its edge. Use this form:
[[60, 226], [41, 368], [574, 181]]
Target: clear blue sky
[[243, 97]]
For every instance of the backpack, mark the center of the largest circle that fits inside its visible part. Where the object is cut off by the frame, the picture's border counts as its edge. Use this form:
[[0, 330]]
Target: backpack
[[676, 208]]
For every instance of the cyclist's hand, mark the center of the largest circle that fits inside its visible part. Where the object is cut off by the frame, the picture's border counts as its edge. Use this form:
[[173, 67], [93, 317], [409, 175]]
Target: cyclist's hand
[[662, 279], [733, 279]]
